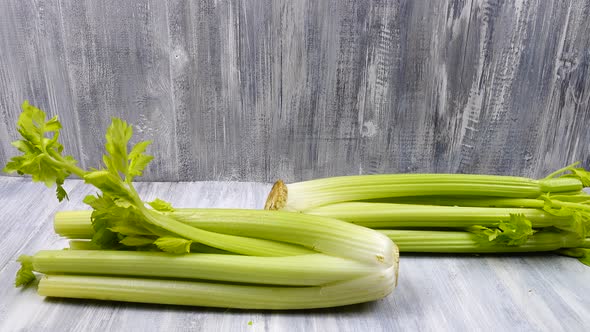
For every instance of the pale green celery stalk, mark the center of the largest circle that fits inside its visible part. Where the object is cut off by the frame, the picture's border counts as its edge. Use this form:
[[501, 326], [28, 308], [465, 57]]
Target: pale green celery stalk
[[76, 224], [233, 243], [464, 242], [88, 245], [302, 196], [73, 224], [389, 215], [302, 270], [464, 201], [483, 201], [317, 233], [364, 289], [68, 224], [82, 245]]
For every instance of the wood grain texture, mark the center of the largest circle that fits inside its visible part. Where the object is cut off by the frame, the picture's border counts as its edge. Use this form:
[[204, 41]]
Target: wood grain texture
[[435, 293], [259, 90]]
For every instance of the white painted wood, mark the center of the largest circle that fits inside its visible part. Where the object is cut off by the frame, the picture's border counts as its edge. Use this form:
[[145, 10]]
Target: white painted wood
[[435, 293]]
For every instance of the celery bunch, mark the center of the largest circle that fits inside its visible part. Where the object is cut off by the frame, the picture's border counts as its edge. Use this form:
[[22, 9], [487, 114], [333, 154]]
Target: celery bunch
[[455, 213], [144, 252]]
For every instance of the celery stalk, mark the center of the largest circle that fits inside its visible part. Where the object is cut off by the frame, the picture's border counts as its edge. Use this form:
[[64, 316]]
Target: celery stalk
[[389, 215], [303, 270], [302, 196], [323, 234], [464, 201], [82, 245], [465, 242], [367, 288]]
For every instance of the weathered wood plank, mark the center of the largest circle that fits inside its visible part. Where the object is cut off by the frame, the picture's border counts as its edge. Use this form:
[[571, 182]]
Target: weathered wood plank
[[450, 293], [259, 90]]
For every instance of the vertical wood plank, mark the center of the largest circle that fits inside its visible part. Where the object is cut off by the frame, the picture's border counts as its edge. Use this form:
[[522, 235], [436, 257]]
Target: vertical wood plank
[[260, 90], [118, 63], [33, 66]]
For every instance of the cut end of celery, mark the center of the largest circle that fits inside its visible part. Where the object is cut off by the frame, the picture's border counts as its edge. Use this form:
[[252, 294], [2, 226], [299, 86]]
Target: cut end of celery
[[395, 263], [277, 198]]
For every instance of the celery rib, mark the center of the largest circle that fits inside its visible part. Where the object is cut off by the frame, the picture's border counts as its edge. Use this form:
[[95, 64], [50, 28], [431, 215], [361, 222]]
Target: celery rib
[[82, 245], [465, 242], [301, 196], [303, 270], [317, 233], [177, 292], [390, 215]]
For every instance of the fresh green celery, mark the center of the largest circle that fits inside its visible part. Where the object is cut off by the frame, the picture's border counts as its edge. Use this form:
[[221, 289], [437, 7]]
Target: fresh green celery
[[73, 224], [179, 292], [82, 245], [286, 260], [386, 215], [484, 201], [464, 201], [466, 242], [313, 232], [302, 270], [302, 196], [374, 215]]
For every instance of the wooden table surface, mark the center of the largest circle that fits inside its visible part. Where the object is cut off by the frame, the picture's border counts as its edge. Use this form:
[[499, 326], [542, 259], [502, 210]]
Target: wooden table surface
[[457, 293]]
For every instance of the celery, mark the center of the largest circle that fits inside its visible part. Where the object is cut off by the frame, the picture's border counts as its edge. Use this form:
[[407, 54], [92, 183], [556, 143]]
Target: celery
[[303, 270], [454, 212], [193, 293], [282, 260], [319, 233], [465, 242], [83, 244], [386, 215], [302, 196], [76, 224]]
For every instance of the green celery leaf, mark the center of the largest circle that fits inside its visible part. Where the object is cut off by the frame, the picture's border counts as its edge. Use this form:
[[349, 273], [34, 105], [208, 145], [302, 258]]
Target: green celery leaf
[[61, 193], [25, 274], [24, 146], [118, 161], [161, 205], [117, 137], [582, 254], [108, 183], [39, 151], [138, 160], [514, 232], [580, 174], [174, 245], [123, 203], [579, 221], [115, 219], [105, 211], [103, 237]]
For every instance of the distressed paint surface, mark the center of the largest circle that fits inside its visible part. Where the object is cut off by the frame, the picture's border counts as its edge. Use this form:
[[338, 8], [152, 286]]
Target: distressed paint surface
[[260, 90], [434, 293]]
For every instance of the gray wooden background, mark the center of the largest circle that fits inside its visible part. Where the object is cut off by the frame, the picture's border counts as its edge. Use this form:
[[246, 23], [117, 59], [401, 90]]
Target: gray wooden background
[[257, 90]]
